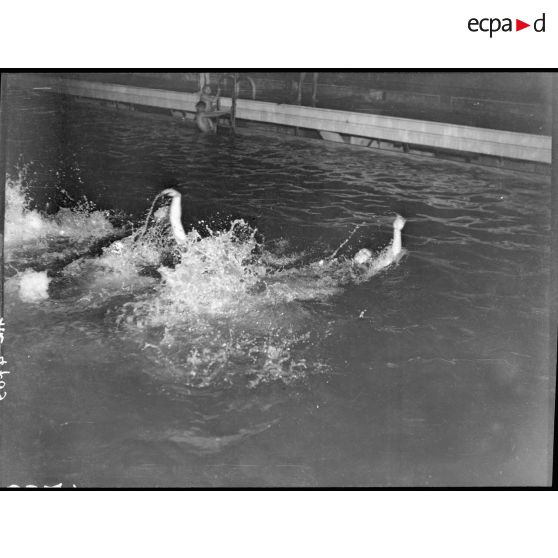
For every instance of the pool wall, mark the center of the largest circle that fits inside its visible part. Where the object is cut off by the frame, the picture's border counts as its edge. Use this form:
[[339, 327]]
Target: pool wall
[[520, 151]]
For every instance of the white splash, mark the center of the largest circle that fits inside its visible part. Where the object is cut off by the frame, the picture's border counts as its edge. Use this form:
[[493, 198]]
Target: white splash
[[33, 285], [29, 227]]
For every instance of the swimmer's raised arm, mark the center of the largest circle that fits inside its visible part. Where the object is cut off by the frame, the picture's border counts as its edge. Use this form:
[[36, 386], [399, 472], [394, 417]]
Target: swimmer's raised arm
[[398, 224], [388, 254]]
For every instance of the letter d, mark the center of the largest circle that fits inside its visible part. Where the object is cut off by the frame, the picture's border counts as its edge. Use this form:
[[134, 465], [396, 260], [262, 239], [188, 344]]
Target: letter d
[[535, 25]]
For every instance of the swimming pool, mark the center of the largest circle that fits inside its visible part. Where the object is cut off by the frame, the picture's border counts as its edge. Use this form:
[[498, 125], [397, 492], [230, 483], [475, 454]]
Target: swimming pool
[[253, 365]]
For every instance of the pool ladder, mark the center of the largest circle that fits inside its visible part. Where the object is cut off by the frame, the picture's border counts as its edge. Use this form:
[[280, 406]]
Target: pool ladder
[[236, 83]]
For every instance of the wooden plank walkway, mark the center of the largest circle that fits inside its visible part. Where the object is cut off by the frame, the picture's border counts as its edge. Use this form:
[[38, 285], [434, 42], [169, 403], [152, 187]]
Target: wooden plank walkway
[[437, 135]]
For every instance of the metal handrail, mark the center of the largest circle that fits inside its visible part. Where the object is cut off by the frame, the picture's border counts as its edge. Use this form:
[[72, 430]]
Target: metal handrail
[[223, 79]]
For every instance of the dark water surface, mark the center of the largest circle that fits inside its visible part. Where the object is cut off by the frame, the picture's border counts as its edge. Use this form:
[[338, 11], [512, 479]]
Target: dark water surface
[[432, 373]]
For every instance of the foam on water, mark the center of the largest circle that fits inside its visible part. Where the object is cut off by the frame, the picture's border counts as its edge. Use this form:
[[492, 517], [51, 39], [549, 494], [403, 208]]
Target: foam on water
[[229, 311], [33, 285], [214, 277], [218, 354], [29, 232], [226, 312], [21, 223], [223, 274]]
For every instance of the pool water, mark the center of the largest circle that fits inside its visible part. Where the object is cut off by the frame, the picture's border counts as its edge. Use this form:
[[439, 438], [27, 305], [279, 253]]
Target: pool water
[[257, 360]]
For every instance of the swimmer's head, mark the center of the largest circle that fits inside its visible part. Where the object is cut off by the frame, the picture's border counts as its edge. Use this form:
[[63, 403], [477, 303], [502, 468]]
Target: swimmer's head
[[362, 256], [201, 106]]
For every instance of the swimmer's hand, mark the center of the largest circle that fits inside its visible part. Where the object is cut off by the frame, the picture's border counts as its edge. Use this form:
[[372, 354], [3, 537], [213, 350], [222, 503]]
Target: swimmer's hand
[[399, 222]]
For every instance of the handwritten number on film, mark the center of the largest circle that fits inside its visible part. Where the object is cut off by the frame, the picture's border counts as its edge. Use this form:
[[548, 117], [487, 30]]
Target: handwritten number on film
[[3, 361]]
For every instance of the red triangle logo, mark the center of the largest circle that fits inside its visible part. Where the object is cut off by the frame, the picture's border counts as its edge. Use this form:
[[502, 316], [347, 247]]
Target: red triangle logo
[[519, 25]]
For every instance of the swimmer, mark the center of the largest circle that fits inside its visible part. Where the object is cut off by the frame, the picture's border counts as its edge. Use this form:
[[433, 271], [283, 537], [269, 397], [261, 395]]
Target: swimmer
[[206, 120], [389, 254], [115, 245], [174, 213], [211, 101]]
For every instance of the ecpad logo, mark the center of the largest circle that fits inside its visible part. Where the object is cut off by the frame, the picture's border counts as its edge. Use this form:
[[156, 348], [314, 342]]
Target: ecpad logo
[[494, 24]]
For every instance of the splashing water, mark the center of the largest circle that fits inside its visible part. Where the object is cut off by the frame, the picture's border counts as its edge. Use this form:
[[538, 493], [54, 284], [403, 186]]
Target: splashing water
[[29, 233], [226, 353], [230, 310], [21, 223], [33, 286], [221, 310], [214, 277], [222, 275]]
